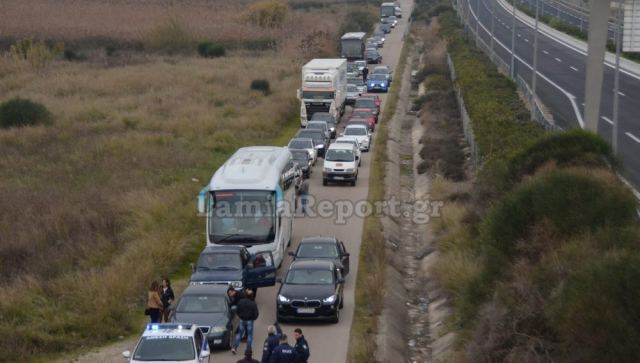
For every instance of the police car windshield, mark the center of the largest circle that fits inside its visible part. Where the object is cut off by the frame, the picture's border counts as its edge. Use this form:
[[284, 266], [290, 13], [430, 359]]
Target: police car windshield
[[202, 304], [219, 261], [321, 250], [309, 277], [165, 348]]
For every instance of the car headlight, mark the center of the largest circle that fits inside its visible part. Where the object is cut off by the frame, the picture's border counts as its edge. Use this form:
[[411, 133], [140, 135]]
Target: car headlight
[[349, 170], [236, 284], [332, 129], [320, 146], [283, 299], [330, 300], [217, 329], [328, 170]]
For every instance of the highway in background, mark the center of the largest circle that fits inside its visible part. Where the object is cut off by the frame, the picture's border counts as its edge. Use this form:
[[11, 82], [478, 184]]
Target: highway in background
[[561, 79]]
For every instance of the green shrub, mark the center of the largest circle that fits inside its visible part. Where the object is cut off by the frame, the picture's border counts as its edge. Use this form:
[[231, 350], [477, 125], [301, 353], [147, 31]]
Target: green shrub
[[358, 21], [211, 50], [573, 148], [19, 112], [171, 36], [268, 13], [261, 85]]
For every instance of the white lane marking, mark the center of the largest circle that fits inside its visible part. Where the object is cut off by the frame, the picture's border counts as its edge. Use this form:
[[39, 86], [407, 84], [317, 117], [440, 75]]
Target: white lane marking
[[607, 119], [571, 97], [545, 52], [633, 137], [558, 60], [574, 68]]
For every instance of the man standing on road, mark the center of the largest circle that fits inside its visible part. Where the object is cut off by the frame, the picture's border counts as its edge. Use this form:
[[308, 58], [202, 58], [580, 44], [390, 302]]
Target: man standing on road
[[283, 353], [301, 347], [303, 192], [365, 73], [247, 311], [273, 339]]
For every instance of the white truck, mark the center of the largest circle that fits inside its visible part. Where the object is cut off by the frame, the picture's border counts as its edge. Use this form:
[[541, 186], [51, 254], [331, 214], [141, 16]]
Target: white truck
[[324, 88]]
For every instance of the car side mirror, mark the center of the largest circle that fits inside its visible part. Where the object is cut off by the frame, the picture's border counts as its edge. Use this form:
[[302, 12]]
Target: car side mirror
[[126, 354], [292, 254]]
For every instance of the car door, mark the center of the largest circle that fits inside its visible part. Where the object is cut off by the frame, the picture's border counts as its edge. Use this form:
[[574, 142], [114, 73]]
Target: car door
[[261, 271], [344, 257]]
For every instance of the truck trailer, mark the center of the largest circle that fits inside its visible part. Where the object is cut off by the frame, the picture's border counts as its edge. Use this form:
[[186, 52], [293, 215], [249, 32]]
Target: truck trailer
[[324, 88]]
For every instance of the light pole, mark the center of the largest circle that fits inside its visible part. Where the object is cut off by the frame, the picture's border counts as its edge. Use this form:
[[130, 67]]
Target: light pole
[[493, 19], [535, 54], [477, 22], [513, 41], [616, 79]]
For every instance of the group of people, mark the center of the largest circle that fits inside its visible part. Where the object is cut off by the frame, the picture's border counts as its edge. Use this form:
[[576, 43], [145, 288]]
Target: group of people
[[159, 298], [276, 348]]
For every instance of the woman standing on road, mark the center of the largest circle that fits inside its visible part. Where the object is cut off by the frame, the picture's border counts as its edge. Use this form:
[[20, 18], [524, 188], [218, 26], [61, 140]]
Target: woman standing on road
[[167, 298], [154, 302]]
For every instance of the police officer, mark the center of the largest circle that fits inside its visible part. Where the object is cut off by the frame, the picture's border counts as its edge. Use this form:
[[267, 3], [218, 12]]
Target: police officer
[[283, 353], [273, 339], [301, 347]]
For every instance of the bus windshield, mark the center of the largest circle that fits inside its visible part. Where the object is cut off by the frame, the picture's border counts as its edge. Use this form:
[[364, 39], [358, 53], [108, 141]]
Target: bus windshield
[[352, 48], [242, 216]]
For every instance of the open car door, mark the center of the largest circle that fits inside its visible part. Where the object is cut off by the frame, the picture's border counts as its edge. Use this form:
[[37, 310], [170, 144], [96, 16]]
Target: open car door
[[262, 270]]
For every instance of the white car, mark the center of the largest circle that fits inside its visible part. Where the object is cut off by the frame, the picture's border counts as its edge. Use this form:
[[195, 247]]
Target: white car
[[360, 133], [340, 164], [307, 144], [170, 343], [353, 141]]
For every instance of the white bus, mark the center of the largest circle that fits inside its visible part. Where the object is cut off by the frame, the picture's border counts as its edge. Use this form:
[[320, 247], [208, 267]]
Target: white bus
[[387, 9], [250, 201]]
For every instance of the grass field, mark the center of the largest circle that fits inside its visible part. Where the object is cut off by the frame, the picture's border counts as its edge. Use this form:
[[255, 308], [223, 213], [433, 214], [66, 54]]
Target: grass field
[[102, 202]]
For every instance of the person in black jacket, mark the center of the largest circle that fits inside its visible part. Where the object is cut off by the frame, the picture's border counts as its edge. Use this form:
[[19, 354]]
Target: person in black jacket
[[167, 297], [283, 353], [273, 339], [248, 357], [365, 73], [301, 347], [247, 311]]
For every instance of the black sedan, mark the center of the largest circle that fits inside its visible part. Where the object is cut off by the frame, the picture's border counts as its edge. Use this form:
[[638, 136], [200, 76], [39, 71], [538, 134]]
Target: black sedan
[[207, 306], [323, 248], [373, 56], [304, 162], [311, 290]]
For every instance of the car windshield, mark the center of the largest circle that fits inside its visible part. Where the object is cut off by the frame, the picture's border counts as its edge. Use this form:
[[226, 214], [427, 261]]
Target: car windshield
[[321, 116], [345, 141], [165, 348], [300, 156], [300, 144], [361, 63], [320, 250], [380, 71], [202, 304], [361, 114], [352, 89], [378, 77], [339, 155], [317, 125], [309, 277], [372, 53], [312, 134], [356, 131], [356, 81], [365, 103], [219, 261]]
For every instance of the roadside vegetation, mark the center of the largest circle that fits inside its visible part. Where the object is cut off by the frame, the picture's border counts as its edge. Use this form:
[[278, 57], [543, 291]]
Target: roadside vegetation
[[539, 251], [118, 131]]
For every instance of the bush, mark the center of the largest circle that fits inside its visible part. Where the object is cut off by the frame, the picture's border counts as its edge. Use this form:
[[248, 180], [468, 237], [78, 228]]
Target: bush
[[358, 21], [37, 54], [211, 50], [20, 112], [171, 36], [268, 13], [261, 85]]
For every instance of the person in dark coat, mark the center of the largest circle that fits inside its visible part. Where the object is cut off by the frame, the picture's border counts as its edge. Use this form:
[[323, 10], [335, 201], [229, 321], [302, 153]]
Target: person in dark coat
[[301, 347], [283, 353], [248, 357], [365, 73], [274, 332], [247, 311], [167, 298]]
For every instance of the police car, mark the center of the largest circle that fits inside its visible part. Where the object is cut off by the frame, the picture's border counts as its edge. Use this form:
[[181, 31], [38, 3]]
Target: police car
[[170, 343]]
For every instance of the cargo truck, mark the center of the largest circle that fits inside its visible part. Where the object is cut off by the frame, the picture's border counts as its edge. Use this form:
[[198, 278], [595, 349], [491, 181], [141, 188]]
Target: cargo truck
[[324, 88]]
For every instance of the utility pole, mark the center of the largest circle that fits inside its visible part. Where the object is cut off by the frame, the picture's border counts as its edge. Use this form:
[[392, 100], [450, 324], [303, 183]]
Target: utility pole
[[534, 77], [598, 29], [477, 23], [493, 20], [513, 41], [616, 78]]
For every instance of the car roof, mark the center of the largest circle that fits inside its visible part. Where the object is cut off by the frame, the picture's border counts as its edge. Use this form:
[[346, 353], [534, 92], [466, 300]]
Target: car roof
[[207, 289], [161, 329], [319, 239], [312, 265]]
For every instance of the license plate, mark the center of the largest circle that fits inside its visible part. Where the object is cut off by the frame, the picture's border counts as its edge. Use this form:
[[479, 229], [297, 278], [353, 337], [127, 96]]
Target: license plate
[[338, 178], [217, 341], [306, 310]]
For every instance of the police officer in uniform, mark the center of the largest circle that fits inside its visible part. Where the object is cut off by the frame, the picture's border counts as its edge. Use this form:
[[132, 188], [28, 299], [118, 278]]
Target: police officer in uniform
[[273, 340], [283, 353], [301, 347]]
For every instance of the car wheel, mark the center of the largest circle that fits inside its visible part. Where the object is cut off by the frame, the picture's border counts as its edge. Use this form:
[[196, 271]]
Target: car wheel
[[341, 303], [336, 317]]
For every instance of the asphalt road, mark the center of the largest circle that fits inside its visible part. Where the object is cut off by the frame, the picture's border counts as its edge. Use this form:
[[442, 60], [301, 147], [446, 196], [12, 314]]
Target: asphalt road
[[561, 78], [328, 342]]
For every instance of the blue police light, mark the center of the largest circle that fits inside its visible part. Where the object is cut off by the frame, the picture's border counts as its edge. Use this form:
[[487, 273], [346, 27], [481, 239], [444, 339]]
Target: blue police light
[[153, 327]]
